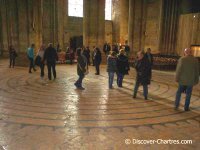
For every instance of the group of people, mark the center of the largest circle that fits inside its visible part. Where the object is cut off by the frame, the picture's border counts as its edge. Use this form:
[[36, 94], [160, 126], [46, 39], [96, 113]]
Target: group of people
[[48, 54], [187, 71], [116, 48]]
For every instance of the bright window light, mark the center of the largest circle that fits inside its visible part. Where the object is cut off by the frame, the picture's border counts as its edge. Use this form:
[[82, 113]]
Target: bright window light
[[108, 10], [75, 8]]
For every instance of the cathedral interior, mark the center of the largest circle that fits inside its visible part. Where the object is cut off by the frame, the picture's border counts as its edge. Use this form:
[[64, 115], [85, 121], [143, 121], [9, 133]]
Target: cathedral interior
[[38, 114]]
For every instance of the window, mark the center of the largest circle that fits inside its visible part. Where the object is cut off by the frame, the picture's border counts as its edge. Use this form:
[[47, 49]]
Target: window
[[108, 10], [75, 8]]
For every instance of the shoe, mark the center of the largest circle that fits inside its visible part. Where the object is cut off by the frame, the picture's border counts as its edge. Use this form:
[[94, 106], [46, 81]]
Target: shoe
[[96, 73], [187, 109], [134, 96], [35, 70], [175, 108], [146, 98], [76, 85], [81, 88], [111, 87], [30, 72]]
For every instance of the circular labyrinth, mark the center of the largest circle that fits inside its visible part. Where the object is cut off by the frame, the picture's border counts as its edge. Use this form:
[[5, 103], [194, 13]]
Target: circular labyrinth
[[26, 99]]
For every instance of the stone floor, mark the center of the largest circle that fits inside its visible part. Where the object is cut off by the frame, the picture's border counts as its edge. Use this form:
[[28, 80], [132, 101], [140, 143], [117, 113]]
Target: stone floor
[[43, 115]]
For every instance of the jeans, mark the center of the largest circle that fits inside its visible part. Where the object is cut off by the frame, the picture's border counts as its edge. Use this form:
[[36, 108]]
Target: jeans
[[188, 96], [110, 79], [12, 61], [78, 83], [120, 78], [51, 65], [31, 66], [42, 70], [145, 89]]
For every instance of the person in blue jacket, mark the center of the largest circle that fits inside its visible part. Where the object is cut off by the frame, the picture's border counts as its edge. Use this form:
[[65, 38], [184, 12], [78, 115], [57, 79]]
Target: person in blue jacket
[[30, 54]]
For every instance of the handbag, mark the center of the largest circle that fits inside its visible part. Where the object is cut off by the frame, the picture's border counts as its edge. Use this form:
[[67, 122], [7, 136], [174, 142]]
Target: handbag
[[38, 60]]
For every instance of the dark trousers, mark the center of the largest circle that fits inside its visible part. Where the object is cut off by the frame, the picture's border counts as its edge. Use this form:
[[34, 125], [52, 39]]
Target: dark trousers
[[120, 78], [31, 66], [12, 61], [78, 83], [110, 79], [51, 66], [41, 70], [188, 91], [145, 89], [97, 68], [88, 61]]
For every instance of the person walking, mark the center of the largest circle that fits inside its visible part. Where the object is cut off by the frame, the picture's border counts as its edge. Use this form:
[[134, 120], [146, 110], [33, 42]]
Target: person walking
[[149, 57], [82, 68], [122, 67], [111, 68], [30, 54], [40, 54], [51, 57], [143, 74], [97, 60], [187, 75], [12, 55]]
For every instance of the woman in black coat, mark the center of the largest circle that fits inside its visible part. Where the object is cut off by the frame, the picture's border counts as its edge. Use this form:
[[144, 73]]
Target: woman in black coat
[[143, 74], [13, 55], [97, 59], [122, 67]]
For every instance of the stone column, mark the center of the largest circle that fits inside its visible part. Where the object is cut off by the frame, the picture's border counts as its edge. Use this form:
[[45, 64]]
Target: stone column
[[170, 26], [61, 16], [101, 24], [131, 24], [4, 28], [86, 21], [124, 13]]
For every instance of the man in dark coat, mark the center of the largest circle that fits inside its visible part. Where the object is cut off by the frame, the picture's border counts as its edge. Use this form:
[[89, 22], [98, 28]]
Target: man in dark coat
[[149, 57], [106, 48], [51, 56], [97, 59], [81, 68], [122, 67], [143, 74]]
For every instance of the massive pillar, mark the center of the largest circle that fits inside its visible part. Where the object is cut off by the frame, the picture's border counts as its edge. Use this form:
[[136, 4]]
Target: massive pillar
[[101, 23], [86, 19], [120, 21], [93, 22], [170, 26], [131, 24]]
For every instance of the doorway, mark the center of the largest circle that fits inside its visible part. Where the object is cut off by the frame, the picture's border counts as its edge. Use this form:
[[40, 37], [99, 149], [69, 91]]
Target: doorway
[[76, 42]]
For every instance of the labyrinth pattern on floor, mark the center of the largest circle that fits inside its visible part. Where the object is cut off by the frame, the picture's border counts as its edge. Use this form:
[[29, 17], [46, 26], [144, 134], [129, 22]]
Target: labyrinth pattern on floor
[[41, 114]]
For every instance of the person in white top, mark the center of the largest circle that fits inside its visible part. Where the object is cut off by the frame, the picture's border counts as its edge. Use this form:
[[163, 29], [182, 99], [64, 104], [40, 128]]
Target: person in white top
[[41, 54]]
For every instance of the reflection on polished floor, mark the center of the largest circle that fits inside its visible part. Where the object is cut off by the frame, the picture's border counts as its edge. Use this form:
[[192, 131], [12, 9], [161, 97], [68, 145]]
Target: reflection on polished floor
[[43, 115]]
